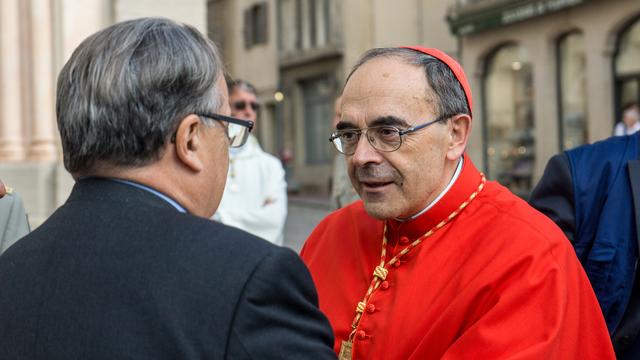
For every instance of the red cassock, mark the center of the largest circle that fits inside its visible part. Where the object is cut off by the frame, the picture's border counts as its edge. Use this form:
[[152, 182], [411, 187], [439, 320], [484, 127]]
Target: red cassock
[[499, 281]]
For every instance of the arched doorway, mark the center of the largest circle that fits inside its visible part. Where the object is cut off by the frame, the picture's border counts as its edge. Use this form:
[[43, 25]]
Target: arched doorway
[[509, 140]]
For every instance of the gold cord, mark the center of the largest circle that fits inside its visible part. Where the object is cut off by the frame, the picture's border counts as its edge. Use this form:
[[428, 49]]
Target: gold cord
[[381, 271]]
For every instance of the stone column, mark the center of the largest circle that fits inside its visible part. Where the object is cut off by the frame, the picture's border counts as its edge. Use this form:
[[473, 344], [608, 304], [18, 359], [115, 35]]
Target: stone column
[[11, 148], [42, 146], [600, 112]]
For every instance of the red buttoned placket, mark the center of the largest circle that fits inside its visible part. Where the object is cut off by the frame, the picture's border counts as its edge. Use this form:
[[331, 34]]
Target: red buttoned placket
[[381, 272]]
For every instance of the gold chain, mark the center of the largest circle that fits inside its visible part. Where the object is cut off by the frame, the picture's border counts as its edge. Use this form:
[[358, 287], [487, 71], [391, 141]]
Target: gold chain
[[381, 271]]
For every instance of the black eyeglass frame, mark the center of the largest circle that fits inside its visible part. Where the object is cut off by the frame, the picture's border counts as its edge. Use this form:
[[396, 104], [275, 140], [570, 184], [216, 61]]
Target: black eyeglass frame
[[401, 133], [246, 123]]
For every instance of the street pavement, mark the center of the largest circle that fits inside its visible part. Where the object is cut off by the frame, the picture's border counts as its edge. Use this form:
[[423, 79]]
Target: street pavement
[[303, 214]]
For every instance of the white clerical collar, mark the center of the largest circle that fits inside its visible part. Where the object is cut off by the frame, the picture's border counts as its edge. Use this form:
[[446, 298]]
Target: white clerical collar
[[455, 176]]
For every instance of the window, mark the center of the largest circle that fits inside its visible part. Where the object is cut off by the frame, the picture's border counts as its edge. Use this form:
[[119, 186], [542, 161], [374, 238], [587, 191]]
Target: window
[[304, 24], [509, 129], [288, 20], [317, 96], [215, 22], [572, 90], [255, 25], [319, 24], [627, 67]]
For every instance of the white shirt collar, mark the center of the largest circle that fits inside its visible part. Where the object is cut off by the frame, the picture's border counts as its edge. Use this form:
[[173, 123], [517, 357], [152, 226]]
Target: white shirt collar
[[455, 176]]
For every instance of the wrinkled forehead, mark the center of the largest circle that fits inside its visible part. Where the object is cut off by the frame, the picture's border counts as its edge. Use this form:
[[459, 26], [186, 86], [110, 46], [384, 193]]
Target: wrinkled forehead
[[387, 87]]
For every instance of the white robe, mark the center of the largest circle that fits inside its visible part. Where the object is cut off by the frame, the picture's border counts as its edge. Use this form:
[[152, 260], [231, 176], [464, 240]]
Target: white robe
[[255, 196]]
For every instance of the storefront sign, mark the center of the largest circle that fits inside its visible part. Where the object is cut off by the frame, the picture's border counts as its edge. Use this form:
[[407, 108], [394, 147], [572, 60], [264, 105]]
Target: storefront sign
[[505, 13]]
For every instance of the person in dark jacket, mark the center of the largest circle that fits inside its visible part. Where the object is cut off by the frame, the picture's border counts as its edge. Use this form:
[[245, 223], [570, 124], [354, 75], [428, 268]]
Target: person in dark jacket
[[130, 267], [593, 193]]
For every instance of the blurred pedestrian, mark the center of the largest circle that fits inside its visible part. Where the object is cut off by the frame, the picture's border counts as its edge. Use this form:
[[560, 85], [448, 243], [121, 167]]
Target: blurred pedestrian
[[630, 123], [131, 266], [13, 218], [342, 192], [593, 194], [462, 268], [255, 197]]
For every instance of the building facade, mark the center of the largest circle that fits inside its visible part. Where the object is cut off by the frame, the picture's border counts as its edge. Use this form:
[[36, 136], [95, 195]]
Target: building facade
[[300, 64], [550, 75], [547, 75]]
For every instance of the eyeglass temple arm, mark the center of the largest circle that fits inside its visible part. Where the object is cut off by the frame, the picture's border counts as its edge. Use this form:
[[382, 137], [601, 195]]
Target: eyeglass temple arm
[[421, 126], [246, 123]]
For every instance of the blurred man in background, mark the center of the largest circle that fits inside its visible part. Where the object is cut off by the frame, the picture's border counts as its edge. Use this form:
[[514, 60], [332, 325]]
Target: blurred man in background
[[255, 197], [630, 123]]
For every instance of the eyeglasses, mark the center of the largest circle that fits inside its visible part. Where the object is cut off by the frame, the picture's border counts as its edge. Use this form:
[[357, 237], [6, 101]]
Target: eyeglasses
[[237, 129], [241, 105], [383, 138]]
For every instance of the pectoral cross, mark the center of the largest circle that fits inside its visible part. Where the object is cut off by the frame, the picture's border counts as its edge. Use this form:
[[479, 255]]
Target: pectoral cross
[[345, 350]]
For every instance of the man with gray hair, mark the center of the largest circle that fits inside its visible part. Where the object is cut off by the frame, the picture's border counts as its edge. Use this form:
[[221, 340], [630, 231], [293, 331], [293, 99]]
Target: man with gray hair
[[436, 262], [130, 266]]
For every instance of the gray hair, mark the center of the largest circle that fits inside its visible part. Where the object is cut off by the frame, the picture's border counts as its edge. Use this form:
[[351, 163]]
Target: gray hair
[[450, 97], [233, 84], [125, 88]]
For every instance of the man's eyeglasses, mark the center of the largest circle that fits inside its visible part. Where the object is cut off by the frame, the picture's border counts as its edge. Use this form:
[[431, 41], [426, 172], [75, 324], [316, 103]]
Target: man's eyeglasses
[[241, 105], [383, 138], [237, 129]]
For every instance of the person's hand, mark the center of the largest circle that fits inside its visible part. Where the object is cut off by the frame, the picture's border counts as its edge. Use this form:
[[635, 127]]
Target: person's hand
[[3, 190], [268, 201]]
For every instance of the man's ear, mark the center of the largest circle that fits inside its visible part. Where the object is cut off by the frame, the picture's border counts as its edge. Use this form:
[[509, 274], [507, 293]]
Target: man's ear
[[188, 140], [459, 131]]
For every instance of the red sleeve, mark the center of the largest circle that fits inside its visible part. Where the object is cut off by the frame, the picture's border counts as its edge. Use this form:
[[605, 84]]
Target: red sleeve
[[548, 294]]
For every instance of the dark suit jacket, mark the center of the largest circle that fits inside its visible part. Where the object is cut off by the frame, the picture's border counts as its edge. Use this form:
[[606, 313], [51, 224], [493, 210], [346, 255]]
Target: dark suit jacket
[[118, 273], [554, 196]]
